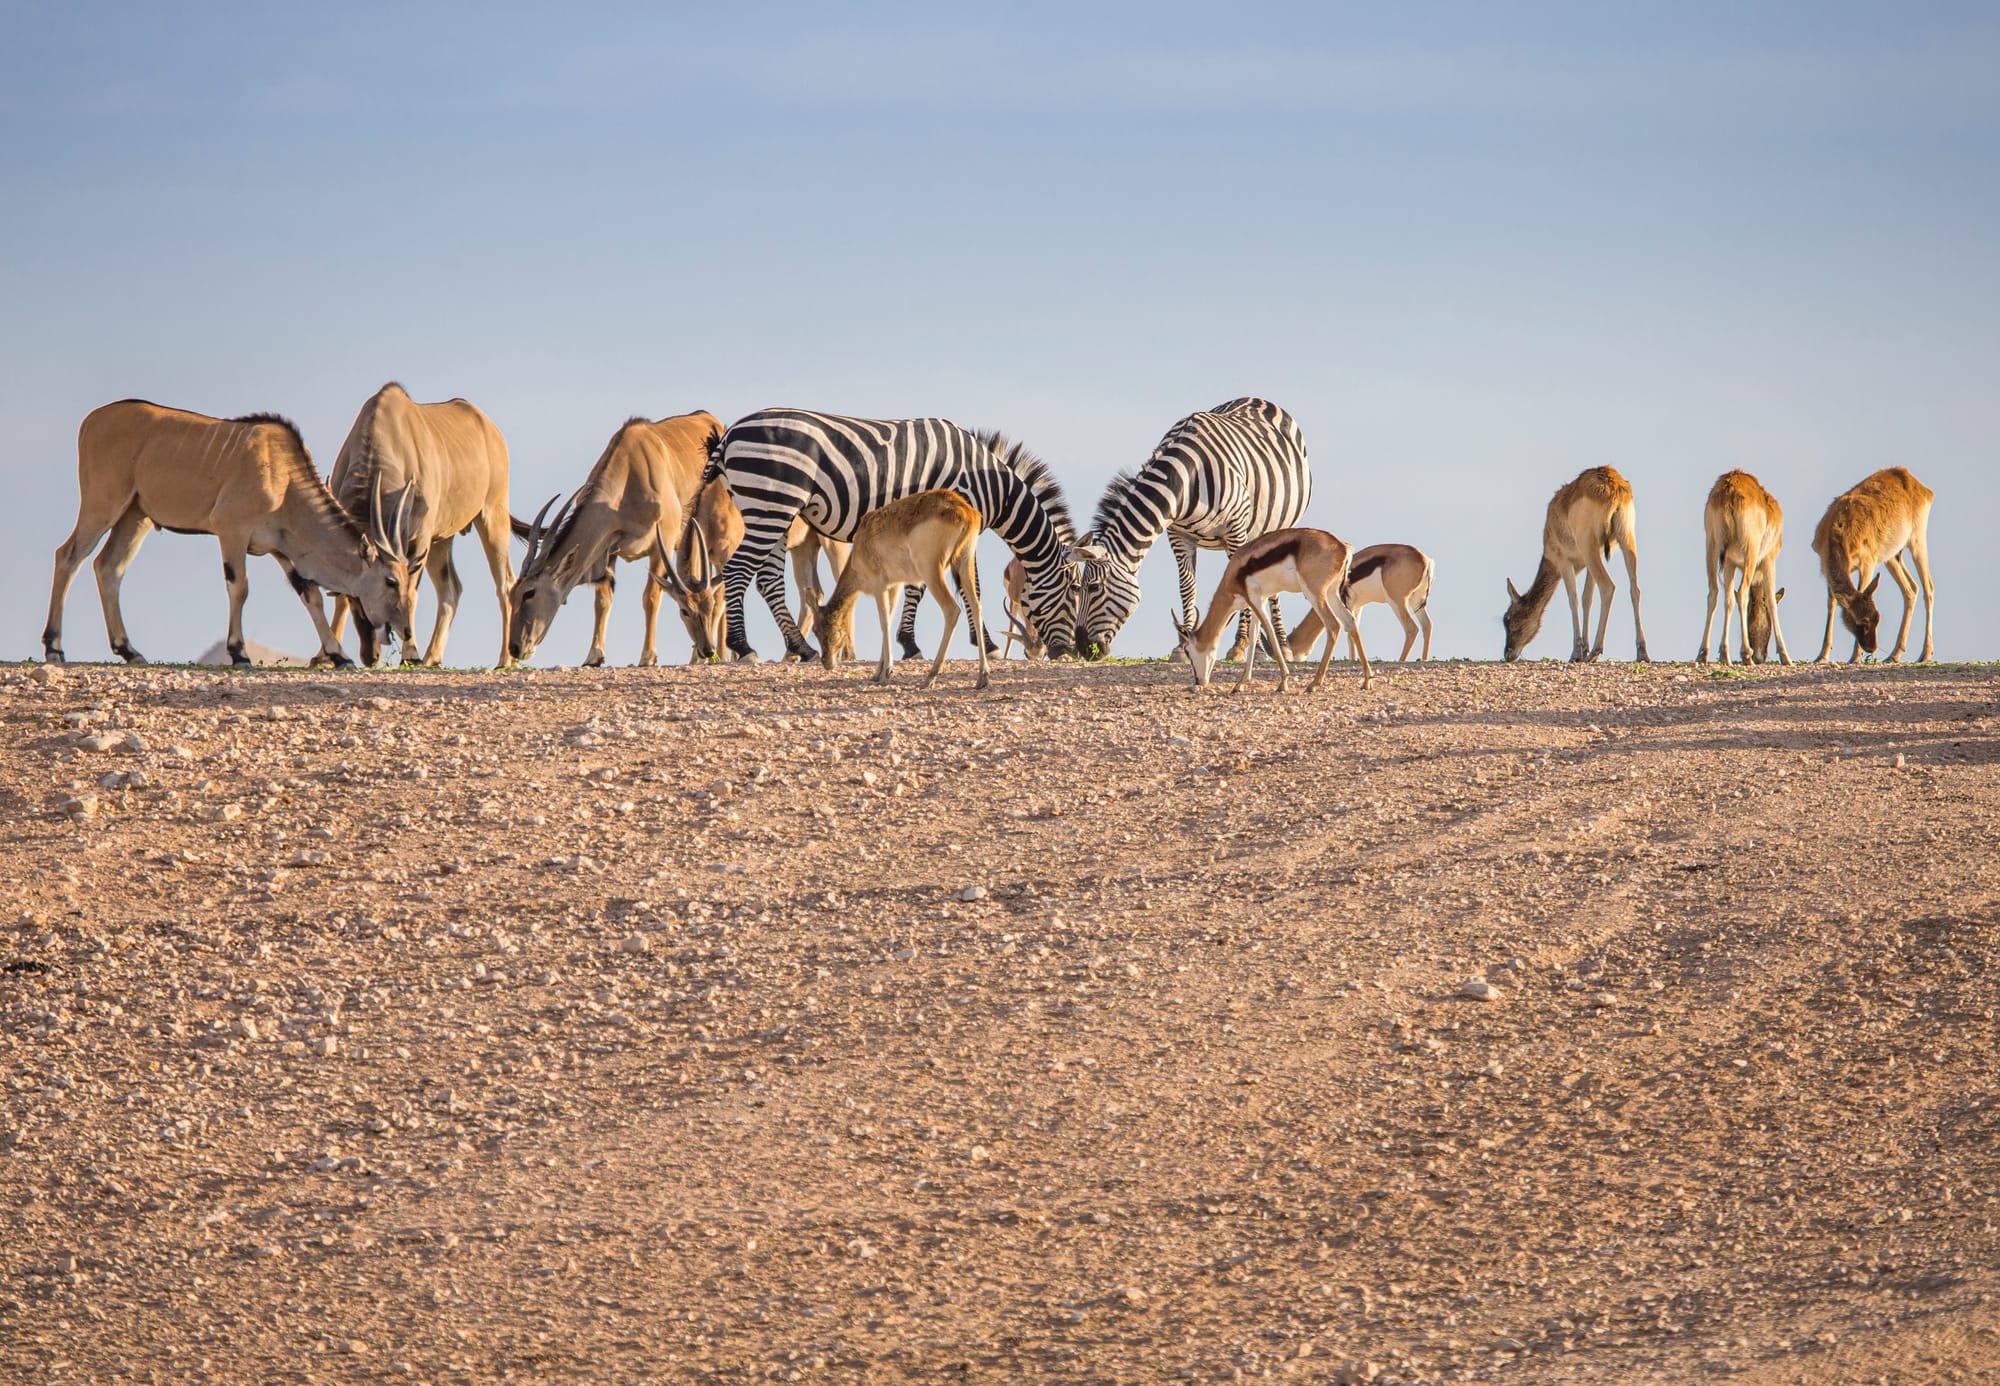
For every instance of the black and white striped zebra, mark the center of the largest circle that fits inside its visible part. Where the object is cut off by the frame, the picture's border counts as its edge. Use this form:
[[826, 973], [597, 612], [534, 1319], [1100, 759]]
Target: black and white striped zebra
[[1217, 480], [833, 470]]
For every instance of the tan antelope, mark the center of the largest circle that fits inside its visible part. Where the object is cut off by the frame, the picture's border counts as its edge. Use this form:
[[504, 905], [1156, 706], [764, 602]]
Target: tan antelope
[[1310, 561], [923, 538], [1867, 527], [448, 464], [1396, 575], [1745, 530], [1020, 625], [643, 487], [706, 545], [249, 482], [1585, 519]]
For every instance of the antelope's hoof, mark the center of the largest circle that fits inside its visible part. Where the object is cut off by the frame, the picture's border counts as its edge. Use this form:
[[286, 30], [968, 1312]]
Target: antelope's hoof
[[649, 659], [984, 682], [242, 662], [50, 656], [594, 660]]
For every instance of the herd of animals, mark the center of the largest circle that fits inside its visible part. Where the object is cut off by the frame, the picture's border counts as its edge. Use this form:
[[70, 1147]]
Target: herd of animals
[[895, 508]]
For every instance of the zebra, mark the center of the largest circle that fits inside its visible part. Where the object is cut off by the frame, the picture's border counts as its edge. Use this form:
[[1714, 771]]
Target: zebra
[[1216, 481], [832, 470]]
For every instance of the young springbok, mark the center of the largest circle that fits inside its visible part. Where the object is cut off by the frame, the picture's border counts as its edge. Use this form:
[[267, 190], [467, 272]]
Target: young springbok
[[1872, 525], [1396, 575], [248, 481], [1585, 519], [923, 538], [1745, 530], [1285, 560], [1020, 625]]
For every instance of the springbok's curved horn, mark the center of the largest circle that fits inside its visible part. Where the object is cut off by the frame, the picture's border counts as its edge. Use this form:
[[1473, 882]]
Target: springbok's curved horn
[[708, 573], [668, 578], [402, 544], [375, 513], [535, 531]]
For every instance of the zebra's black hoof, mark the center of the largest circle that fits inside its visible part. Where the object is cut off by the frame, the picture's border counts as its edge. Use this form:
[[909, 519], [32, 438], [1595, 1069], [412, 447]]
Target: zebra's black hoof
[[746, 656], [910, 649]]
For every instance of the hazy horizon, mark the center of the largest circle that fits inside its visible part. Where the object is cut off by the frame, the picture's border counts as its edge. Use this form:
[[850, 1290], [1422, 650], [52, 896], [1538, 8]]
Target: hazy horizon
[[1473, 251]]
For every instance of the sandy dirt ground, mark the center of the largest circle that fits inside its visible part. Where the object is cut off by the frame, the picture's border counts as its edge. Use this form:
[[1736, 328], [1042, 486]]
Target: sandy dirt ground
[[760, 1023]]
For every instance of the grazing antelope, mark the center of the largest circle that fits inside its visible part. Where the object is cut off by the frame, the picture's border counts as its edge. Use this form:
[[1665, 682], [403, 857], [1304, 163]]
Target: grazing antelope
[[1285, 560], [1761, 618], [1745, 529], [805, 544], [694, 579], [1585, 519], [1868, 526], [921, 538], [447, 464], [643, 486], [1396, 575], [1020, 625], [248, 481]]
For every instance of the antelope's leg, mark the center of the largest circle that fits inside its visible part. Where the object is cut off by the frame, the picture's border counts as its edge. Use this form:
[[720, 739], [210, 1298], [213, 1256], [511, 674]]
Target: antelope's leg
[[1268, 627], [309, 596], [805, 577], [1631, 576], [236, 578], [606, 588], [1424, 619], [444, 576], [1903, 580], [1715, 561], [1577, 618], [1249, 651], [940, 585], [649, 607], [112, 561], [1826, 646], [494, 531], [337, 622], [1606, 590], [969, 579], [1409, 623], [1771, 599], [974, 628], [885, 605], [91, 526], [1920, 554]]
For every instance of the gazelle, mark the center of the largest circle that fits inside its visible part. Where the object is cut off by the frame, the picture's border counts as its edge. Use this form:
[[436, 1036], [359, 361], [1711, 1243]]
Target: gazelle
[[694, 578], [1396, 575], [1745, 529], [1868, 526], [1020, 625], [248, 481], [1285, 560], [446, 465], [643, 486], [923, 538], [1585, 519]]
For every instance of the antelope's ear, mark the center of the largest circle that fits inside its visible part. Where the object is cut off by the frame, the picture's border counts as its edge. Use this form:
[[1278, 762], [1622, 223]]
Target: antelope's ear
[[1093, 553], [1778, 596], [1513, 593], [1869, 590]]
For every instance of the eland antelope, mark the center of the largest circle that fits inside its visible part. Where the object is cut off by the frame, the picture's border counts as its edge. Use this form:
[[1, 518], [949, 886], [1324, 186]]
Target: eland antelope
[[248, 481], [1870, 526], [643, 487], [1585, 518], [447, 464], [1396, 575], [922, 538], [1285, 560], [1745, 530]]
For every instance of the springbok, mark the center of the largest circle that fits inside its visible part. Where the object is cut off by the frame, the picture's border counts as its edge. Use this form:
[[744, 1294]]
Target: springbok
[[447, 465], [923, 538], [643, 486], [1745, 529], [1396, 575], [1020, 625], [1285, 560], [248, 481], [1585, 519], [1868, 526]]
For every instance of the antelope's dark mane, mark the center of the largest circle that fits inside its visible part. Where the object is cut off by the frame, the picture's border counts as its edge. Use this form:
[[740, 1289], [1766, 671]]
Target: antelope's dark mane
[[314, 485]]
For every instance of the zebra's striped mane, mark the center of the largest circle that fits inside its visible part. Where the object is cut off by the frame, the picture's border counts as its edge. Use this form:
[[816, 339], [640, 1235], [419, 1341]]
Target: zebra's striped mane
[[1111, 505], [1039, 477]]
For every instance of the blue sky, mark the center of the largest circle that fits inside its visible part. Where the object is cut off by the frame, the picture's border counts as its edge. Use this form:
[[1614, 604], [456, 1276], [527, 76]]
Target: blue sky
[[1474, 248]]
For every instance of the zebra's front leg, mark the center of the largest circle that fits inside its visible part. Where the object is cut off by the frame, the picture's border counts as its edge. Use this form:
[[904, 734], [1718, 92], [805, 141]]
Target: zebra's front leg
[[1184, 553], [771, 586]]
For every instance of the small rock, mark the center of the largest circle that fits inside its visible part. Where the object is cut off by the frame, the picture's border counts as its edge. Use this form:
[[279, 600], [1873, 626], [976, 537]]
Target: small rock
[[1899, 762], [976, 1154], [636, 943], [78, 805], [247, 1028], [326, 1046], [904, 954], [99, 741], [46, 674], [971, 893], [1479, 989], [66, 1263], [1133, 1295], [1603, 998]]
